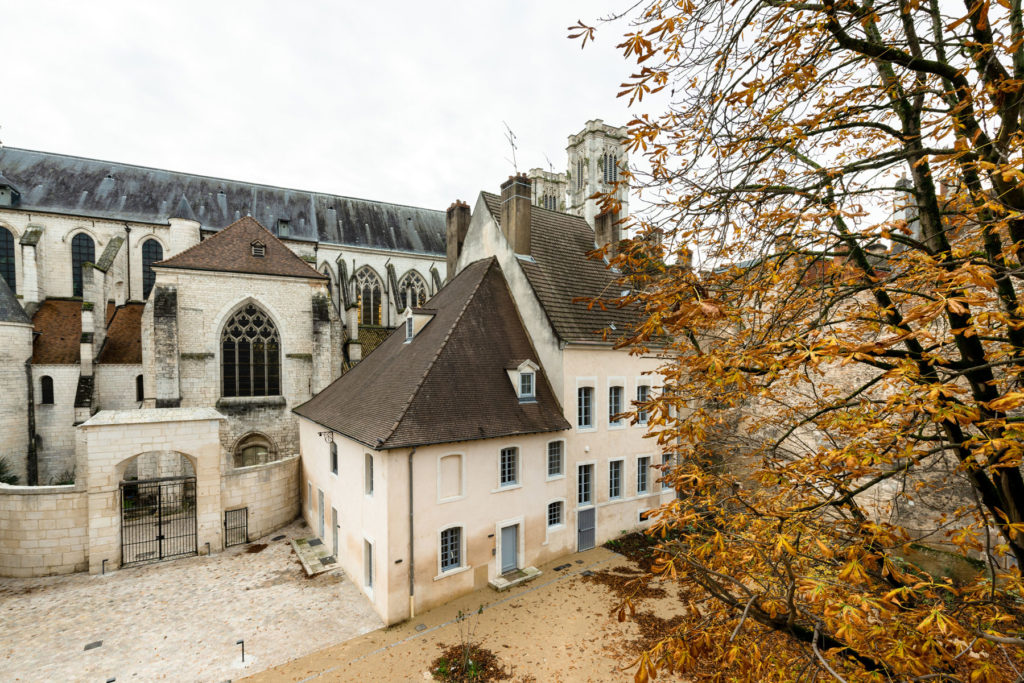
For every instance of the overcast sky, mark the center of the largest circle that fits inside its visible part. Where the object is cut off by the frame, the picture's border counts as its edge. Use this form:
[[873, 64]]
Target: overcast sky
[[396, 101]]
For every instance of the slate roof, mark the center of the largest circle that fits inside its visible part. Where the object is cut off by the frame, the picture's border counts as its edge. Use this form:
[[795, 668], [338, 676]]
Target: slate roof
[[449, 384], [372, 336], [561, 272], [230, 251], [10, 309], [58, 326], [64, 184], [123, 344]]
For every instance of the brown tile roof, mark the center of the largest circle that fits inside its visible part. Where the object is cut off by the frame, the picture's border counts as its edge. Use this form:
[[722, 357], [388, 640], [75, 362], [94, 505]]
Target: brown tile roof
[[371, 336], [449, 384], [230, 251], [561, 272], [58, 326], [124, 336]]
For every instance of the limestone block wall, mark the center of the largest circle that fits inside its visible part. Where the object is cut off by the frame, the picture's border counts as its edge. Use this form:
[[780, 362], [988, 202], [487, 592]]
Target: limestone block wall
[[115, 386], [44, 530], [271, 492], [15, 349], [55, 422]]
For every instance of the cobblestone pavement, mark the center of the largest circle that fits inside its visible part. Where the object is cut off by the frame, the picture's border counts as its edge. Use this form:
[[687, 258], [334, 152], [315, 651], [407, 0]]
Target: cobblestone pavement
[[178, 620]]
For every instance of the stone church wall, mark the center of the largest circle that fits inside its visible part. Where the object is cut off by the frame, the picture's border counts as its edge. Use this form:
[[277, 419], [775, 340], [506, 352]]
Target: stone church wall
[[271, 492], [44, 530], [55, 423], [15, 349], [115, 386]]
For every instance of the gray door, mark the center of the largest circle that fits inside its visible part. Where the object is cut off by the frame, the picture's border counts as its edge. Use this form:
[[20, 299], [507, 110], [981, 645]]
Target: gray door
[[334, 529], [321, 513], [509, 548], [586, 528]]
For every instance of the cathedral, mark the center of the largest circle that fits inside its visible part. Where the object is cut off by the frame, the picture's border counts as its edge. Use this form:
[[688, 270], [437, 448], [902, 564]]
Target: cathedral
[[157, 325]]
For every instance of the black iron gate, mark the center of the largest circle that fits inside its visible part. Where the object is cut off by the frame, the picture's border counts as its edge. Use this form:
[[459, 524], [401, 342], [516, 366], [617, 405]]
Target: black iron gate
[[236, 527], [158, 519]]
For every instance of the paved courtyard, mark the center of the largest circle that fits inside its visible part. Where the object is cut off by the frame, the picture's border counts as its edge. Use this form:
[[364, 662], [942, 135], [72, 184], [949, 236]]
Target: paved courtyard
[[178, 620]]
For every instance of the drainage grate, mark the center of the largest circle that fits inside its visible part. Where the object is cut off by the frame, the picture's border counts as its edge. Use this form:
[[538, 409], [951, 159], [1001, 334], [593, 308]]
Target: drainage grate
[[93, 645], [327, 560], [316, 542]]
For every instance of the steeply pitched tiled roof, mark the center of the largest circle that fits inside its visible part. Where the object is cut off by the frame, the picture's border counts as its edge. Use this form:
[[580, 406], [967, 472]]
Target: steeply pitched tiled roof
[[64, 184], [230, 251], [10, 309], [123, 344], [372, 336], [450, 383], [58, 326], [561, 272]]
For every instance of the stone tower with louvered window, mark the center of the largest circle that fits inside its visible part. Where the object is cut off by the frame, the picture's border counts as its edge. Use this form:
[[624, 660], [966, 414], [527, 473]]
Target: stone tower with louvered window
[[596, 160]]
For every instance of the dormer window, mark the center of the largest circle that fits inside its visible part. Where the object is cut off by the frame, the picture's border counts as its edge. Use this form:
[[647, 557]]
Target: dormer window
[[283, 227], [259, 250], [526, 386], [408, 329]]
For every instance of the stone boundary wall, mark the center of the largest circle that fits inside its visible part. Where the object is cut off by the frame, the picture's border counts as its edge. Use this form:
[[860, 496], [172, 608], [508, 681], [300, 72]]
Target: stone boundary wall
[[44, 530], [270, 491]]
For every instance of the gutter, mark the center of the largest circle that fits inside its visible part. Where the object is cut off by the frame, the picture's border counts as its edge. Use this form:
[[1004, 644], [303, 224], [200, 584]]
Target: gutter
[[412, 562]]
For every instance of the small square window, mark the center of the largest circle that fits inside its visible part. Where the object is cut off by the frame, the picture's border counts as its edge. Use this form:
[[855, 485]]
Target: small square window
[[509, 466], [556, 458], [555, 513], [526, 389]]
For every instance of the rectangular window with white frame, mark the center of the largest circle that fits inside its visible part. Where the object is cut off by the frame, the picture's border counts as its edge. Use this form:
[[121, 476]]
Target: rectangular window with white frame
[[585, 407], [556, 513], [643, 475], [585, 485], [527, 391], [666, 460], [368, 474], [556, 459], [615, 479], [368, 564], [451, 549], [614, 406], [309, 495], [334, 458], [643, 394], [509, 467]]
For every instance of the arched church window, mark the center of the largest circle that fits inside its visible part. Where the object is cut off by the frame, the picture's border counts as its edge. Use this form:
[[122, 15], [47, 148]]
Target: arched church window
[[254, 449], [83, 250], [7, 257], [46, 386], [151, 253], [412, 291], [368, 291], [250, 355], [140, 395], [549, 202]]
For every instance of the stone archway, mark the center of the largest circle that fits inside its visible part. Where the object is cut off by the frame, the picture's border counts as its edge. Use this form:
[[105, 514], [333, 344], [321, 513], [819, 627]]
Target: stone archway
[[111, 443]]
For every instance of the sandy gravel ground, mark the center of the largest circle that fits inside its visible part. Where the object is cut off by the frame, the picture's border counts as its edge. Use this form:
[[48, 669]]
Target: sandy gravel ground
[[555, 629], [178, 620]]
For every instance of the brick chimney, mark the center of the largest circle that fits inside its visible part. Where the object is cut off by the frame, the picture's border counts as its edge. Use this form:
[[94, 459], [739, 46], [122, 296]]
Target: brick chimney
[[515, 212], [457, 224], [607, 231]]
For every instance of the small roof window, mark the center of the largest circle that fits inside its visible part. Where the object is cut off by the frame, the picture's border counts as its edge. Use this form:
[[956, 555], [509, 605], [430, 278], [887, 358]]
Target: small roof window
[[259, 250]]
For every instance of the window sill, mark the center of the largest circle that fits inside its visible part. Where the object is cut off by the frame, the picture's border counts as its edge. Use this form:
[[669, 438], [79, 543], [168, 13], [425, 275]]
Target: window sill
[[555, 477], [453, 572], [527, 399], [612, 426], [509, 487], [248, 401], [581, 430]]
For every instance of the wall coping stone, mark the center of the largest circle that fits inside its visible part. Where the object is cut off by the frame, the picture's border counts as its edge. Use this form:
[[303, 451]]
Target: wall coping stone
[[8, 489], [238, 471], [106, 418]]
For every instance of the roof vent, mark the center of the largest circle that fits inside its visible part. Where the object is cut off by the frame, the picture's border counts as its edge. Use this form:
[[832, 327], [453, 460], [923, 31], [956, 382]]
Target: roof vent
[[259, 250], [283, 227]]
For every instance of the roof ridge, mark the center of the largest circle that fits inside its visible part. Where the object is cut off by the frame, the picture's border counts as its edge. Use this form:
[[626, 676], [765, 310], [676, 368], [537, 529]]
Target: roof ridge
[[214, 177], [440, 348]]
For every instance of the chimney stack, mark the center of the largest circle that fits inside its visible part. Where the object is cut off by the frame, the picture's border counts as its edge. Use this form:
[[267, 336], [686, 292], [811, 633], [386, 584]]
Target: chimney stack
[[607, 231], [515, 212], [457, 224]]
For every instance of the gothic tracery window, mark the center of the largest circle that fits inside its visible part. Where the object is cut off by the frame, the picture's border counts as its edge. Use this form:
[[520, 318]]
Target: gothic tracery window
[[83, 250], [7, 257], [368, 291], [609, 168], [151, 253], [412, 291], [250, 355]]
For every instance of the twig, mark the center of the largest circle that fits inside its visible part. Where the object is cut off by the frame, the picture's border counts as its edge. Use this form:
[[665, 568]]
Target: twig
[[743, 617], [817, 653]]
